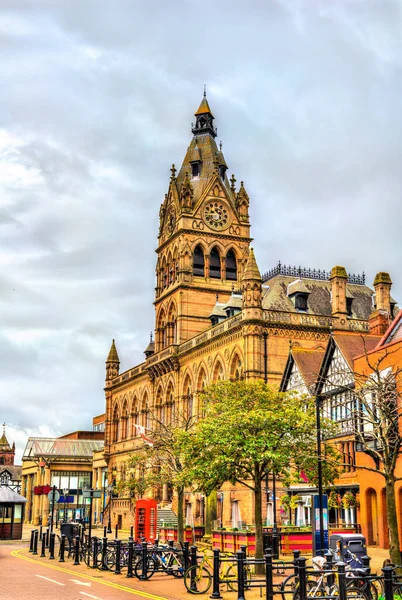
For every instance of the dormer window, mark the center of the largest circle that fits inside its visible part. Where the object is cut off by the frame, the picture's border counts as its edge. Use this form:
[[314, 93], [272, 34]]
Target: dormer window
[[349, 302], [301, 301], [195, 170], [222, 171], [298, 293]]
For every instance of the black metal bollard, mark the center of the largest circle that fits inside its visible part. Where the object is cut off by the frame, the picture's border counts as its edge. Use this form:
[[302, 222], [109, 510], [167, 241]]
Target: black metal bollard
[[62, 547], [296, 555], [215, 581], [275, 544], [40, 532], [130, 557], [95, 552], [269, 585], [193, 563], [77, 550], [342, 580], [144, 560], [104, 531], [104, 549], [240, 574], [47, 537], [51, 546], [366, 564], [388, 587], [117, 570], [328, 567], [301, 564], [132, 532], [35, 544], [186, 556], [31, 543], [43, 553], [117, 532]]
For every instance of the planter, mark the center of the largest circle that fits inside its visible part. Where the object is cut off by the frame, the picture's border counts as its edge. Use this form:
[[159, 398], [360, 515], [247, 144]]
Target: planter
[[230, 541], [170, 533]]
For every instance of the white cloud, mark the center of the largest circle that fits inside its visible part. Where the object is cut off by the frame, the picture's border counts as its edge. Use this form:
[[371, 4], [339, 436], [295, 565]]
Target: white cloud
[[97, 100]]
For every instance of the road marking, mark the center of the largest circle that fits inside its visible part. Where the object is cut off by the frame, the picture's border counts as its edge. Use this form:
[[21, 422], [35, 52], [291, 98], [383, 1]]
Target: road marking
[[116, 586], [52, 580], [90, 596], [80, 582]]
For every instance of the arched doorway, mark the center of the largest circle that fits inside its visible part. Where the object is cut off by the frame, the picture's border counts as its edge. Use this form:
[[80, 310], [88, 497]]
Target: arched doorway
[[372, 517]]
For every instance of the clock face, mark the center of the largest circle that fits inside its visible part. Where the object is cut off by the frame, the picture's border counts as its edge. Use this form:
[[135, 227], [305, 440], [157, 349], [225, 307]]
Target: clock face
[[216, 215]]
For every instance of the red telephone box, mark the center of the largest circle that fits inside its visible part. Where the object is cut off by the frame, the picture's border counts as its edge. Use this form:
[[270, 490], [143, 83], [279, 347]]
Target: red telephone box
[[146, 513]]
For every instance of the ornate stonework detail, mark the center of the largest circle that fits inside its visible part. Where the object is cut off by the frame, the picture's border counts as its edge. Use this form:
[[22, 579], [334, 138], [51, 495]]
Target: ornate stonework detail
[[226, 354], [209, 361]]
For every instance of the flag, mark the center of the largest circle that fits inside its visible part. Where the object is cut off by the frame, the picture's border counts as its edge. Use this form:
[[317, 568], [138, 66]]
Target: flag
[[141, 431]]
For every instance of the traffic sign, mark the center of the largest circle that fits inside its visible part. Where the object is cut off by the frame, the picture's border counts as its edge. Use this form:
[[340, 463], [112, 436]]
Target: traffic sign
[[55, 497], [92, 493]]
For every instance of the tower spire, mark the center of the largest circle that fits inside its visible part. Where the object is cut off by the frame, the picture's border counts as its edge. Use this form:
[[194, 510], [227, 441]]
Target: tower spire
[[204, 122]]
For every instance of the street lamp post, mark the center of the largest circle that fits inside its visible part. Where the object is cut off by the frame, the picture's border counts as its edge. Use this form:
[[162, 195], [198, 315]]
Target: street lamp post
[[110, 492], [318, 402]]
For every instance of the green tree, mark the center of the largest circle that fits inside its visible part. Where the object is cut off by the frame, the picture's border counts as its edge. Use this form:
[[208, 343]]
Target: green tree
[[164, 462], [249, 428]]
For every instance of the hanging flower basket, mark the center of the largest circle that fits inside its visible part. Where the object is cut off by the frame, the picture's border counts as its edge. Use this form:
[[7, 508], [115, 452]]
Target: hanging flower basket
[[349, 500], [334, 500]]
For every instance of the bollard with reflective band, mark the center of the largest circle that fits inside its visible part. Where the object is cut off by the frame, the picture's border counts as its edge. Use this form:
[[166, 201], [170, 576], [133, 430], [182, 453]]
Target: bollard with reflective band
[[130, 558], [51, 546], [62, 547], [117, 570], [215, 581], [269, 586], [77, 550]]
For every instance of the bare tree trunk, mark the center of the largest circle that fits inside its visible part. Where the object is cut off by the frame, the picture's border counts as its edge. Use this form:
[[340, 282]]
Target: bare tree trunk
[[259, 550], [394, 549], [210, 512], [180, 514]]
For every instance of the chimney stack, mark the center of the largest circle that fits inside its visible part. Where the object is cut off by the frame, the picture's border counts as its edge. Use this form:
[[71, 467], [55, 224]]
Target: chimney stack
[[380, 318], [338, 279]]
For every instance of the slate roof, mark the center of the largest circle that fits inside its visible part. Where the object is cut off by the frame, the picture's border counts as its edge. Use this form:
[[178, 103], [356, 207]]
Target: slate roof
[[352, 345], [14, 470], [8, 495], [218, 310], [393, 333], [308, 362], [319, 301]]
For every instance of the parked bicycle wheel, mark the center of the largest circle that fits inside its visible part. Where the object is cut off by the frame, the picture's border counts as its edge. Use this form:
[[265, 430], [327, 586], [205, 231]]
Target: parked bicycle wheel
[[312, 589], [144, 571], [197, 580], [174, 566], [288, 586], [230, 577], [356, 593]]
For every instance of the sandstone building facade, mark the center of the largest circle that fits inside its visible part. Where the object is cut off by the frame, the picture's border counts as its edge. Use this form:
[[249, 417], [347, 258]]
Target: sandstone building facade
[[216, 317]]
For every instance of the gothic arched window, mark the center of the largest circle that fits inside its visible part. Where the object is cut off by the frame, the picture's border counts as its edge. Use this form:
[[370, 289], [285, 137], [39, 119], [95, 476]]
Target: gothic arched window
[[231, 266], [115, 425], [215, 264], [198, 262]]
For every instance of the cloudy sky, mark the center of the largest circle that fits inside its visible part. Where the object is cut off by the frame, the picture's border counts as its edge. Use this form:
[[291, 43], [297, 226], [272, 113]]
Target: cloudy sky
[[96, 102]]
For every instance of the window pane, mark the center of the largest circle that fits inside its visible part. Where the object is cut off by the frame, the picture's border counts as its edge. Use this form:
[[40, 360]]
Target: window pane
[[73, 482], [64, 482]]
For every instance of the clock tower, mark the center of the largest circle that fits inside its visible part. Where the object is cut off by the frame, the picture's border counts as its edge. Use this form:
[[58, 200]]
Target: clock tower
[[204, 237]]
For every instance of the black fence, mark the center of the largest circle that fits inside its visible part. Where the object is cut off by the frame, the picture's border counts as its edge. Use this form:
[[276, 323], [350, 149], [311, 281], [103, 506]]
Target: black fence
[[238, 573]]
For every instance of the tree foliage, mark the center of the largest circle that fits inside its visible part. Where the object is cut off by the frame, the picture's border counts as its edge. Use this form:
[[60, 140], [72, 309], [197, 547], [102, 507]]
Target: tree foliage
[[249, 429]]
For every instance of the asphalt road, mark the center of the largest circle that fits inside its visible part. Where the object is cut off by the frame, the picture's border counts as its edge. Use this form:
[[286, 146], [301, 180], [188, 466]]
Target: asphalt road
[[24, 578]]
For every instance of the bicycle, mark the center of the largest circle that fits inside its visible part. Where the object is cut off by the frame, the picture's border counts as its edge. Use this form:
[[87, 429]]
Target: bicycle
[[162, 559], [198, 578]]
